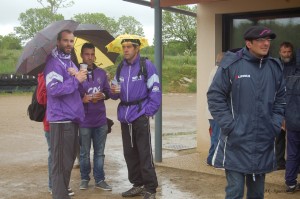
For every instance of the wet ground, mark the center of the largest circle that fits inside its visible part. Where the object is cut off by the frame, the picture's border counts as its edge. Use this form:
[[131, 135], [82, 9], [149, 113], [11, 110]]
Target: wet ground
[[23, 156]]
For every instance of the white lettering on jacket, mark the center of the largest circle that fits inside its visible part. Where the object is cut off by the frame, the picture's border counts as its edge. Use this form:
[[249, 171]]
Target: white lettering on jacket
[[242, 76]]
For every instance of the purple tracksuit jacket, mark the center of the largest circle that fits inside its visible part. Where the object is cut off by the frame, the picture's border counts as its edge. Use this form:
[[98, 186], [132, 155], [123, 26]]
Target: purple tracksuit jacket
[[134, 87], [95, 113], [63, 98]]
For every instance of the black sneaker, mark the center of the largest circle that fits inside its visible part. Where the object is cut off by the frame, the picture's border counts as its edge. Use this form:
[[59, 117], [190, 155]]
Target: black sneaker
[[134, 191], [149, 195], [292, 189]]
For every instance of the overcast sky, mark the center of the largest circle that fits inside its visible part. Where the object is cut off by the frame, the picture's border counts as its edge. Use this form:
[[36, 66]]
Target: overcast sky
[[11, 9]]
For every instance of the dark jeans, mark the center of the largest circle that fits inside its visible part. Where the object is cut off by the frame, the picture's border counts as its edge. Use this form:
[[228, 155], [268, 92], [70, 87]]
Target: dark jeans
[[293, 157], [280, 149], [138, 154], [236, 183]]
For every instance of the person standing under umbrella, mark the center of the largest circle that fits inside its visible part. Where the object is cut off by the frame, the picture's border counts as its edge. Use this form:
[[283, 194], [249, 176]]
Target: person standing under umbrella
[[94, 127], [140, 99], [64, 111]]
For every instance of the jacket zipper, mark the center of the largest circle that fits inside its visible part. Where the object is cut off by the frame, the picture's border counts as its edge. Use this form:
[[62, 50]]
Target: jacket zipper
[[129, 71], [129, 124], [260, 63]]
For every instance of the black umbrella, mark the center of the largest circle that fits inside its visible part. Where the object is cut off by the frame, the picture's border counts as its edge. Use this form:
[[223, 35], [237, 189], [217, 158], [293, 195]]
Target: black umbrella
[[35, 52]]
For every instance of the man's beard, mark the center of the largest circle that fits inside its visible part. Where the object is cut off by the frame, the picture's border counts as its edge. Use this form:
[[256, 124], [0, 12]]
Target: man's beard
[[64, 51], [286, 59]]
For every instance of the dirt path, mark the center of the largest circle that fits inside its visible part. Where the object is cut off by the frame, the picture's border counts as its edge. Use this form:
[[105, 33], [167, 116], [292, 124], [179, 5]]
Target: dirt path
[[23, 157]]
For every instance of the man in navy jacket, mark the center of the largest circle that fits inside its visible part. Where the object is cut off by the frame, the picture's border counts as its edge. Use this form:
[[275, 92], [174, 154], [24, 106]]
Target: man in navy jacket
[[247, 99]]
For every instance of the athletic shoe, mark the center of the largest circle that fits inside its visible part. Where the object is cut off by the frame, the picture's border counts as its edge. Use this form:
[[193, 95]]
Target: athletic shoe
[[103, 185], [149, 195], [134, 191], [70, 192], [292, 189], [84, 184]]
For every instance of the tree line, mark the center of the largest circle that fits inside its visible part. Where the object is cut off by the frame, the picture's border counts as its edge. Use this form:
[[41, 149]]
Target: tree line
[[179, 31]]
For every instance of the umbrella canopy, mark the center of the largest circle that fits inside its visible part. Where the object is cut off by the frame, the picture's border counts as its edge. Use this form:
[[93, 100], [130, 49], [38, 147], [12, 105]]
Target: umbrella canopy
[[32, 61], [116, 46], [101, 59]]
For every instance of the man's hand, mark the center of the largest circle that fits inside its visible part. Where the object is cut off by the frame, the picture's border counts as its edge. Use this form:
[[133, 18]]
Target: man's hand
[[81, 75], [98, 96], [86, 98], [72, 71]]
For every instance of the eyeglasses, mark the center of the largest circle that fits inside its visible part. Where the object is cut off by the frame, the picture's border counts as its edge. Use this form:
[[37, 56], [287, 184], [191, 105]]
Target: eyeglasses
[[263, 39]]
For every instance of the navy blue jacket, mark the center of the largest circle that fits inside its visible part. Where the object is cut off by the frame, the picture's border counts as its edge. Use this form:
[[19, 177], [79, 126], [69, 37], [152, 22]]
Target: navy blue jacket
[[247, 99], [292, 113], [288, 68]]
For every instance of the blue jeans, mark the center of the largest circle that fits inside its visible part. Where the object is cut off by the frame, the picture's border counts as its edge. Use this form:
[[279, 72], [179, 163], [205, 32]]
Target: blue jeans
[[236, 182], [47, 135], [98, 135], [213, 140]]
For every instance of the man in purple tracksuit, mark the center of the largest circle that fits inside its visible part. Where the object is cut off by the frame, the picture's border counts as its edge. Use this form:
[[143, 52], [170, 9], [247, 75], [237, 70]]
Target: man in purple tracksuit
[[64, 111], [140, 99], [94, 127]]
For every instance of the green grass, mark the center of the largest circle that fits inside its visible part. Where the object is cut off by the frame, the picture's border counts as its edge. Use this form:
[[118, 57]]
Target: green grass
[[9, 60], [174, 69]]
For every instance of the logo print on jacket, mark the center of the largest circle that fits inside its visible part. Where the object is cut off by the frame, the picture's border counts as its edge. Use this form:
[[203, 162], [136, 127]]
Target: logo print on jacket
[[136, 78], [94, 90], [242, 76]]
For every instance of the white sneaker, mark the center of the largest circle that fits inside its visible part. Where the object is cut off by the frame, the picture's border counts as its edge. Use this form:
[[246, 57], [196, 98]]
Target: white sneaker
[[71, 193]]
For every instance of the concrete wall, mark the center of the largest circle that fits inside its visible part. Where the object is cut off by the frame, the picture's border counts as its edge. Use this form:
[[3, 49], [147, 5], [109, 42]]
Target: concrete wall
[[209, 43]]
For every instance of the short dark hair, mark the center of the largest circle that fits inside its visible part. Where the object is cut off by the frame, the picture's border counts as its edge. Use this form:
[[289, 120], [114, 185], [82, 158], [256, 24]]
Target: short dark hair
[[287, 44], [62, 31], [87, 45]]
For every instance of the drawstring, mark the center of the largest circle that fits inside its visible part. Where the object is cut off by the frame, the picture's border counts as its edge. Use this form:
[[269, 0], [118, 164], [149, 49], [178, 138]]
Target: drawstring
[[130, 133], [253, 177], [90, 74]]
